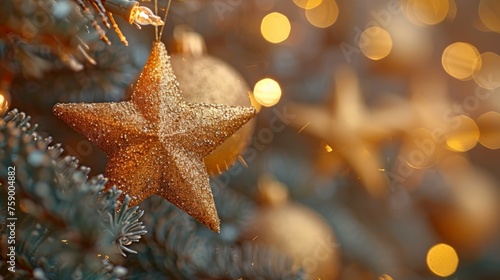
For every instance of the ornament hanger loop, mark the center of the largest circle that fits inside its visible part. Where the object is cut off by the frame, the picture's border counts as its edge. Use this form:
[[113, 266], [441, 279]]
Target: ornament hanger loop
[[158, 36]]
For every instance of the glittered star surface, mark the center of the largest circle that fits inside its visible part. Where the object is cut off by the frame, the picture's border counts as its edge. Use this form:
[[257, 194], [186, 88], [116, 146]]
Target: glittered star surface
[[156, 142]]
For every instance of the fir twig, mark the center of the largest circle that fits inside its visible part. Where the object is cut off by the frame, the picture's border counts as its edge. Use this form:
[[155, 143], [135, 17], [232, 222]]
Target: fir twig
[[86, 12], [67, 226], [173, 248]]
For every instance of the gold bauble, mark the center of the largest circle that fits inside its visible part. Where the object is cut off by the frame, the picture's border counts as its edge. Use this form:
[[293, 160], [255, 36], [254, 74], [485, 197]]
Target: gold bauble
[[206, 79], [295, 230]]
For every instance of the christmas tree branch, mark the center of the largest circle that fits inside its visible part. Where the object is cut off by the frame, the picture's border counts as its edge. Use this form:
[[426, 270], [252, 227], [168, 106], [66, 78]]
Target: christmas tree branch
[[60, 234], [175, 247], [53, 26]]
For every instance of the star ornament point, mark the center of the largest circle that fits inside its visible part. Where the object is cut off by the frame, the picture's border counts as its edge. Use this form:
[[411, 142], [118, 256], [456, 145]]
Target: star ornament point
[[156, 142]]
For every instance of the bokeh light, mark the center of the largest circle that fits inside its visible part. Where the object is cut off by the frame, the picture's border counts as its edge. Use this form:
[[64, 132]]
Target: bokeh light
[[4, 101], [442, 260], [328, 148], [323, 15], [254, 102], [487, 70], [459, 60], [431, 11], [385, 277], [375, 43], [275, 27], [412, 45], [488, 13], [307, 4], [264, 5], [452, 13], [489, 127], [465, 136], [267, 92]]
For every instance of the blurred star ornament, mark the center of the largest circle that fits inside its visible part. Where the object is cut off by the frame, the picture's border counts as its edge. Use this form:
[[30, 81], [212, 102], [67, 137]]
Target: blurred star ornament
[[156, 142], [206, 79], [352, 131], [295, 230]]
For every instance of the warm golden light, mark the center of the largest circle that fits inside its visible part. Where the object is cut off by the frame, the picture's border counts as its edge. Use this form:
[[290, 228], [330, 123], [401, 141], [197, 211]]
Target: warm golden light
[[254, 102], [375, 43], [431, 11], [465, 136], [307, 4], [442, 260], [487, 70], [409, 11], [328, 148], [489, 126], [4, 101], [324, 14], [144, 16], [459, 60], [267, 92], [385, 277], [488, 12], [275, 27], [452, 13]]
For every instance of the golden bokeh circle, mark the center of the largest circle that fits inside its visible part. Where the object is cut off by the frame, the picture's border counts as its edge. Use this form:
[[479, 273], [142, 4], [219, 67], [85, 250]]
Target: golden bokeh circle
[[489, 126], [275, 27], [267, 92], [308, 4], [385, 277], [459, 60], [488, 13], [487, 70], [4, 101], [375, 43], [323, 15], [463, 137], [431, 11], [442, 260]]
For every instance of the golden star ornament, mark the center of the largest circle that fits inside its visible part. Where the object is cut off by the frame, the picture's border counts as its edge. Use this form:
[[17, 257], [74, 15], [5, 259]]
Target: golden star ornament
[[156, 142]]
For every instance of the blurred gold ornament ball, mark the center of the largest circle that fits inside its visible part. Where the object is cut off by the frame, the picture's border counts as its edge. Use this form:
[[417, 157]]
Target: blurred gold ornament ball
[[206, 79], [295, 230]]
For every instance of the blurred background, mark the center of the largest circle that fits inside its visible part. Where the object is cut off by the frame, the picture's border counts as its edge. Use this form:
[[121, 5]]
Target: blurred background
[[374, 154]]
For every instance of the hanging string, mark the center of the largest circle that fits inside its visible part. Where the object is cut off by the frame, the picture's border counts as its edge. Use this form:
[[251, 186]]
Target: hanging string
[[164, 19], [156, 26]]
